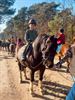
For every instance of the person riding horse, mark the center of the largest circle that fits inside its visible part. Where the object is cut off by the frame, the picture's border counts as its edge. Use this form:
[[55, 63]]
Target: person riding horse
[[19, 44], [40, 56], [12, 45], [29, 37], [60, 39]]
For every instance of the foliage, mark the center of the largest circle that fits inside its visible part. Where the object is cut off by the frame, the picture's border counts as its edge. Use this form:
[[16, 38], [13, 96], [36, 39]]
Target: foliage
[[49, 19], [5, 8], [65, 20]]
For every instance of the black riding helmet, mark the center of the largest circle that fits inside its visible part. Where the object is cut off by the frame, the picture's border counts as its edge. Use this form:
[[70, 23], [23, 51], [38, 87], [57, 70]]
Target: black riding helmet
[[62, 30], [32, 21]]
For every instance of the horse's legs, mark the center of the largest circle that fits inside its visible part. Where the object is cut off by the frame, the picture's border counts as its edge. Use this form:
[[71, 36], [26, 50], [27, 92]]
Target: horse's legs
[[12, 50], [68, 65], [20, 76], [59, 61], [20, 69], [31, 81], [41, 72], [25, 73]]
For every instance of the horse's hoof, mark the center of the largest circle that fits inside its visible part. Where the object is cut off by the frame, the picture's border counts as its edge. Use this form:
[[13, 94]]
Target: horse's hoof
[[42, 93], [32, 93], [67, 71], [21, 81], [26, 78], [60, 66], [16, 61]]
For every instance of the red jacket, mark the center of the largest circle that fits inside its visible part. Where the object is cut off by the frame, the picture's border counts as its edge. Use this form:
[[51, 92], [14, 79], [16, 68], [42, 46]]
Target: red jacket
[[61, 39]]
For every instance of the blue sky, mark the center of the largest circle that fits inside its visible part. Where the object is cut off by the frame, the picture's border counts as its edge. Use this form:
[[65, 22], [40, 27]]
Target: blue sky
[[21, 3], [26, 3]]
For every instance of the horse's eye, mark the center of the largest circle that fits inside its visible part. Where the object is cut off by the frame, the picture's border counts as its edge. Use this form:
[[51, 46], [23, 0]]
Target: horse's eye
[[44, 48], [48, 42]]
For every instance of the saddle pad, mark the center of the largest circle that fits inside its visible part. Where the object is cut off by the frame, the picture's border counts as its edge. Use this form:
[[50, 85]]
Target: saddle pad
[[20, 52]]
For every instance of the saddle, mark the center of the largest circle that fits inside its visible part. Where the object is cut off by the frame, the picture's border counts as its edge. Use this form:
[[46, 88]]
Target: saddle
[[27, 51]]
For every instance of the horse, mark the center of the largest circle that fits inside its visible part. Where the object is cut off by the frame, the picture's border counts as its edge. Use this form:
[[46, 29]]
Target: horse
[[12, 47], [3, 46], [63, 51], [42, 54]]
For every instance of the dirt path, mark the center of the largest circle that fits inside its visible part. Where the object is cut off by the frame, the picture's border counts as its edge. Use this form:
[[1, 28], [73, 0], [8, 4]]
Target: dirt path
[[56, 84]]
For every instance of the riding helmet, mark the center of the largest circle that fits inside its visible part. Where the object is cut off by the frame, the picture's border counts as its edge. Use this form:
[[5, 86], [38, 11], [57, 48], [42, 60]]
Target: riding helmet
[[32, 21], [62, 30]]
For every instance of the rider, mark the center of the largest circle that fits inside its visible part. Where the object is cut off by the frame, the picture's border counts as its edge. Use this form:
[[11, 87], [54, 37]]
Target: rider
[[29, 37], [19, 44], [12, 40], [60, 39]]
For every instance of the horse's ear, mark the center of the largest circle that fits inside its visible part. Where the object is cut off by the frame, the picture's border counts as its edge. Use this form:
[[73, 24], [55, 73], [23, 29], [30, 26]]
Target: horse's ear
[[48, 40]]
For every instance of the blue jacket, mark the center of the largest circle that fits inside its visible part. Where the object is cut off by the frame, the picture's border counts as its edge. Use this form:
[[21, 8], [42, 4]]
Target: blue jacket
[[71, 95]]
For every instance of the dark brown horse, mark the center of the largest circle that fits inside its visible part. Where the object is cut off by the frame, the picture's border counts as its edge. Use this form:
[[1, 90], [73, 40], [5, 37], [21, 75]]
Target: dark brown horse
[[43, 53]]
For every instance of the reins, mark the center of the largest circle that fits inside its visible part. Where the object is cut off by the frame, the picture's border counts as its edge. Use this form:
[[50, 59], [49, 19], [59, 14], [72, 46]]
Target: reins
[[39, 63]]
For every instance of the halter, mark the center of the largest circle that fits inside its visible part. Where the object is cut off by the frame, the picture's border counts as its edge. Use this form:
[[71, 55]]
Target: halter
[[43, 60]]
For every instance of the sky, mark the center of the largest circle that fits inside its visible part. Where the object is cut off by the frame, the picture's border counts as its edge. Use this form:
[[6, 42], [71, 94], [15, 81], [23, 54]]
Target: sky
[[26, 3], [19, 4]]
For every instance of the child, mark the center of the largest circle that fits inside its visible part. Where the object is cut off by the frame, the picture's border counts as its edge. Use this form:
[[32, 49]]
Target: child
[[19, 44], [30, 36], [60, 39]]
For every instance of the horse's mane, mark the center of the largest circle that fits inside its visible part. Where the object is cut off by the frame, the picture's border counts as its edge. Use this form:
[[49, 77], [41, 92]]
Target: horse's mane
[[40, 38]]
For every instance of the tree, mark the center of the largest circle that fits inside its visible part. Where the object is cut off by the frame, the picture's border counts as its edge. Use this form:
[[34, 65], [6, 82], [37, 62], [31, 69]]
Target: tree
[[55, 24], [20, 21], [43, 12], [9, 30], [46, 14], [5, 8]]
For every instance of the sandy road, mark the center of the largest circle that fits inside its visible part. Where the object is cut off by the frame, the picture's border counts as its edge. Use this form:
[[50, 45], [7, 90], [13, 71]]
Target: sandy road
[[56, 85], [8, 90]]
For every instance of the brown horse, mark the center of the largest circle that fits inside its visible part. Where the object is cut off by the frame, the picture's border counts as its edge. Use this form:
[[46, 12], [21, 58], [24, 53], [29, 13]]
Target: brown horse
[[65, 47], [43, 52]]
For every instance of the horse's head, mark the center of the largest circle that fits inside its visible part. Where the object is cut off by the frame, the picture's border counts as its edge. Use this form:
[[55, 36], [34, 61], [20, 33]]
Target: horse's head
[[44, 49], [48, 49]]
